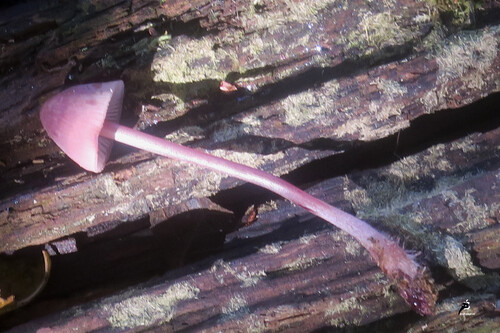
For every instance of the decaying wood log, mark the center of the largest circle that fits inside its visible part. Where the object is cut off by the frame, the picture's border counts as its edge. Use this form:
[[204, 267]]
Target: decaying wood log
[[285, 273], [387, 110]]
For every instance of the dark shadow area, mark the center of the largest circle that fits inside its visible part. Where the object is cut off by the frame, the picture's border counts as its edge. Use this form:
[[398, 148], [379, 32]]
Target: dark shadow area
[[22, 276], [121, 257], [396, 324], [482, 19]]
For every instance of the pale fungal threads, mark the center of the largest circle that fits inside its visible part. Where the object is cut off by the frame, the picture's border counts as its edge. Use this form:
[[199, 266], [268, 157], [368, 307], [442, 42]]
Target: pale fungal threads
[[92, 111]]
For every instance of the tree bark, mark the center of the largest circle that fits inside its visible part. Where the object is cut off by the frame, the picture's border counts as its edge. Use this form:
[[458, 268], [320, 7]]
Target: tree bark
[[388, 111]]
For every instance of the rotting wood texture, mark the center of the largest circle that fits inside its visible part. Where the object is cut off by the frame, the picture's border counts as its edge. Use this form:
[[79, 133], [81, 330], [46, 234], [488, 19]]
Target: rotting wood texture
[[324, 88]]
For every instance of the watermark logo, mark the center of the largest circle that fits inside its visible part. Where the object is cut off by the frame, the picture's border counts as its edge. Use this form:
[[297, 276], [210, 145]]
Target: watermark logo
[[465, 309]]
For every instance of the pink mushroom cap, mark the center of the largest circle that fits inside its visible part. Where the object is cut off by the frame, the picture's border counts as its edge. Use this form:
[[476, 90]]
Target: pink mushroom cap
[[74, 118]]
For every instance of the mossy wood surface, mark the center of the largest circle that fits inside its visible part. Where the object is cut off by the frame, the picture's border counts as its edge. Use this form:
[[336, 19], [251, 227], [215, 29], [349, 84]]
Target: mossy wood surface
[[386, 109]]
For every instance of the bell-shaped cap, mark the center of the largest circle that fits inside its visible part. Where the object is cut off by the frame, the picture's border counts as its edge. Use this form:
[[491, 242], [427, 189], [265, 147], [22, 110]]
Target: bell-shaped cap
[[74, 119]]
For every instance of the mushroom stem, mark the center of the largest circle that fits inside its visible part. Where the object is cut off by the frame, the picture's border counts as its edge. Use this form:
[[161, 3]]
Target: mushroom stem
[[413, 282]]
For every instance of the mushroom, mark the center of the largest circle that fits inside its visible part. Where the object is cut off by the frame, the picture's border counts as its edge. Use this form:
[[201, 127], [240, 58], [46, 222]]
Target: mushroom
[[82, 120]]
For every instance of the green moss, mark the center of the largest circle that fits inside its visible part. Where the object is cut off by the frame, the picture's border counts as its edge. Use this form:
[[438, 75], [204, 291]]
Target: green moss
[[405, 181], [469, 50], [309, 105], [149, 309], [376, 31], [336, 310], [300, 263], [194, 67], [387, 196], [246, 275], [273, 248], [107, 62], [352, 246], [191, 60], [294, 11], [456, 258], [351, 311], [237, 305], [458, 11], [468, 56], [149, 44], [475, 215]]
